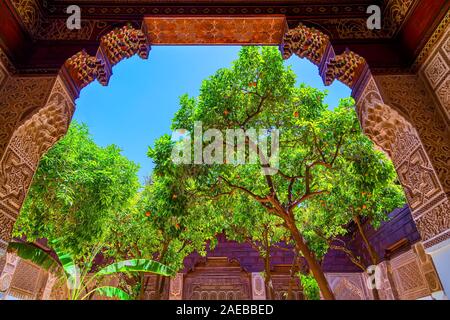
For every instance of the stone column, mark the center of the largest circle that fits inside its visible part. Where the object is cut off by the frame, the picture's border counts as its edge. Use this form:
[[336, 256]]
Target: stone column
[[258, 287]]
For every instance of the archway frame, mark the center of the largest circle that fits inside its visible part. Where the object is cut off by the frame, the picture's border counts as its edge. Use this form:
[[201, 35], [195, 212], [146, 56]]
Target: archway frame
[[382, 113]]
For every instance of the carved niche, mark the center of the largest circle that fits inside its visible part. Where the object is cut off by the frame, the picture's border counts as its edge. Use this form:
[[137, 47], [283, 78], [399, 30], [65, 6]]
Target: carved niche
[[217, 278]]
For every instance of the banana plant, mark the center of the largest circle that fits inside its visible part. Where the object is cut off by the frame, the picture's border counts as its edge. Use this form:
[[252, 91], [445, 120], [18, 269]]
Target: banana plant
[[81, 284]]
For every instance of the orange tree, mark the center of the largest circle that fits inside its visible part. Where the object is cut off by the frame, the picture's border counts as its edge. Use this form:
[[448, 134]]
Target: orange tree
[[311, 147]]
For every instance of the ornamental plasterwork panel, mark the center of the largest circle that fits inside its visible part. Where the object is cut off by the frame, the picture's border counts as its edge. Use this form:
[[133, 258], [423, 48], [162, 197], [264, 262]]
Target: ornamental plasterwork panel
[[348, 286], [436, 70], [443, 94], [410, 93], [409, 279], [176, 287], [418, 179], [258, 287], [30, 141], [435, 222], [392, 19]]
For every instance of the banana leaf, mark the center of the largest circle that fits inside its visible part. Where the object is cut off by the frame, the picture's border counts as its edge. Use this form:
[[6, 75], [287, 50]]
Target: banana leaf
[[34, 254], [137, 265], [69, 266], [113, 292]]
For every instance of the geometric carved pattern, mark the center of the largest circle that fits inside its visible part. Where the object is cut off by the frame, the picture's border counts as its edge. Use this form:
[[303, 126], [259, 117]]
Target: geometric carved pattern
[[400, 140], [27, 145], [215, 30], [435, 222], [393, 16], [25, 280], [409, 94], [348, 286], [418, 178], [305, 42], [409, 279], [436, 70]]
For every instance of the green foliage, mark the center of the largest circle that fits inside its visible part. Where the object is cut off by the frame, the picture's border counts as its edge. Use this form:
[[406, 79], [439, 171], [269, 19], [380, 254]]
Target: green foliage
[[81, 282], [76, 191], [310, 288], [136, 265], [37, 256], [324, 157]]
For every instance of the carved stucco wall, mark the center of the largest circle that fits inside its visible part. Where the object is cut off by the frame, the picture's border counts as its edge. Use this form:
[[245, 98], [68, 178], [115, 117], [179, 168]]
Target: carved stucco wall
[[408, 276], [348, 286], [416, 138], [22, 279], [413, 274], [35, 113], [436, 68], [176, 287]]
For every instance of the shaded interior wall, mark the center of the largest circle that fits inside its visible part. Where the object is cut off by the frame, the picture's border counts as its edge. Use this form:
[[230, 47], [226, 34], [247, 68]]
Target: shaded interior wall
[[244, 253], [399, 226]]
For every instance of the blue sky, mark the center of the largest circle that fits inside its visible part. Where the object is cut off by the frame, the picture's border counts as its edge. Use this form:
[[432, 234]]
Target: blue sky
[[142, 96]]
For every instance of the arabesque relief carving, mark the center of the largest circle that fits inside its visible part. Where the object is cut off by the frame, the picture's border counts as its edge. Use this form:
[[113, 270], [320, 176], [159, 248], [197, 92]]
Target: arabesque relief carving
[[346, 67], [409, 93], [397, 136], [305, 42], [123, 43], [393, 17], [27, 145]]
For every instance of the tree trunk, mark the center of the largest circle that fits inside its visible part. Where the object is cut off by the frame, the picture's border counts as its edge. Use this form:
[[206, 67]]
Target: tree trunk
[[372, 253], [143, 285], [290, 295], [158, 288], [268, 275], [312, 263], [268, 278]]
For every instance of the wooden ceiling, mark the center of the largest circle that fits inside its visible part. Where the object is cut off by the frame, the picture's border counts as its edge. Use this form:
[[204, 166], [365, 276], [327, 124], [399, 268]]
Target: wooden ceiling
[[34, 36]]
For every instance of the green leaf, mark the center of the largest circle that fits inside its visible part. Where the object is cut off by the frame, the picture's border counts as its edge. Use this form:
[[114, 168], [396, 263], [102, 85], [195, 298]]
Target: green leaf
[[137, 265], [68, 264], [34, 254], [113, 292]]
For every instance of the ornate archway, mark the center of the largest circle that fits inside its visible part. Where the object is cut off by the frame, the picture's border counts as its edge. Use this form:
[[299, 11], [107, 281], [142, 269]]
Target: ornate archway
[[406, 115]]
